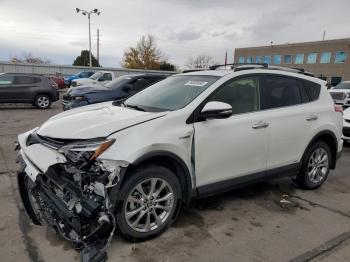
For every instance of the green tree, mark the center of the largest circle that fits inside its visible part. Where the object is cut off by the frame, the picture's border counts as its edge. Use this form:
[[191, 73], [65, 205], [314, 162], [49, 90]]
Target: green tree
[[167, 66], [83, 59], [145, 55]]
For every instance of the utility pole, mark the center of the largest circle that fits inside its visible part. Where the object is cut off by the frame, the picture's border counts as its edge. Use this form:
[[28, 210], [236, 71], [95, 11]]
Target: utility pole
[[98, 46], [324, 35], [94, 11]]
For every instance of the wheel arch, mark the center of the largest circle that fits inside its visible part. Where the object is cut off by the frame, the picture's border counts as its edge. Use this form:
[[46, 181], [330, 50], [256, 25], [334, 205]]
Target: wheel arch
[[170, 161], [330, 139]]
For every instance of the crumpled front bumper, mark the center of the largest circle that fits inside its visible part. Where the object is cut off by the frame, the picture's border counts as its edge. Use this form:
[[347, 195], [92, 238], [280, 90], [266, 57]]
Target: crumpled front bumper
[[68, 217]]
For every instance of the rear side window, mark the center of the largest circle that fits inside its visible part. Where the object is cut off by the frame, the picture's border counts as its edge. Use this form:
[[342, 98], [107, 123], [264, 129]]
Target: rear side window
[[141, 83], [312, 89], [26, 80], [6, 79], [279, 91]]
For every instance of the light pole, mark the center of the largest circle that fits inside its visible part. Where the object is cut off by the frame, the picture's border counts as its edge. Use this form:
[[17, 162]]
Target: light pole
[[88, 13]]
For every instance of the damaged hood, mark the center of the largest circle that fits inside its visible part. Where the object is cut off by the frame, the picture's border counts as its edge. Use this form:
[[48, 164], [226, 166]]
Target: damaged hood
[[99, 120]]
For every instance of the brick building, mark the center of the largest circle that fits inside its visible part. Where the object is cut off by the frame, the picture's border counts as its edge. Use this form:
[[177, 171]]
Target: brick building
[[327, 59]]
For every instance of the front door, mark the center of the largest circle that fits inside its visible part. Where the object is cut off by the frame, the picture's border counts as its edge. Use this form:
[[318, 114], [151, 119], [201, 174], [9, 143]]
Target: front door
[[236, 146]]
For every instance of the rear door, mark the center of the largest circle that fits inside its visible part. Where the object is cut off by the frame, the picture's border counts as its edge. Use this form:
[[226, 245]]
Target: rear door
[[290, 117], [6, 86], [25, 88]]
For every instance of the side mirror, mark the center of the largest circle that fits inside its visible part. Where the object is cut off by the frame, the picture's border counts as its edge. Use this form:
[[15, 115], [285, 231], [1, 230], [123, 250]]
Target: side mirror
[[216, 110]]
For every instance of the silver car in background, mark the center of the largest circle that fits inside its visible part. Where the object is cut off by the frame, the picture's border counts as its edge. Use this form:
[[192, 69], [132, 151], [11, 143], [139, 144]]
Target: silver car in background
[[341, 93]]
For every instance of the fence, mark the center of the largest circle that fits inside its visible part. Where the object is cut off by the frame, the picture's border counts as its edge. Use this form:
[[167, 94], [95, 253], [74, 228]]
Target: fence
[[6, 67]]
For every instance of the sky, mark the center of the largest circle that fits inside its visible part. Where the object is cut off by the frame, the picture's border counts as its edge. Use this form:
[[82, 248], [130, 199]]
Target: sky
[[182, 28]]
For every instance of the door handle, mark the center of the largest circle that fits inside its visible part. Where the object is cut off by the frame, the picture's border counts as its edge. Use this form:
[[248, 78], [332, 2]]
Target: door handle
[[311, 118], [260, 125]]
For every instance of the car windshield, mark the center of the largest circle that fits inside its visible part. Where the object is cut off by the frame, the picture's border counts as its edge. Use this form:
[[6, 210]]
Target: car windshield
[[119, 82], [173, 93], [343, 85], [96, 75]]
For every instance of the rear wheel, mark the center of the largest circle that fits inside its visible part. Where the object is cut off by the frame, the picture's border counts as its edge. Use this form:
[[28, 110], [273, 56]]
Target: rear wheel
[[42, 101], [315, 167], [151, 198]]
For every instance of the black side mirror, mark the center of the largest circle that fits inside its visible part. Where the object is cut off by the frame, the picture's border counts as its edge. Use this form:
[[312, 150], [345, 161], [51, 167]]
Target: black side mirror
[[216, 110]]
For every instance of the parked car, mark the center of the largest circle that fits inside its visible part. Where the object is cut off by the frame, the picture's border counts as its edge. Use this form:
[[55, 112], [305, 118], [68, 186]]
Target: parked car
[[37, 90], [346, 128], [59, 81], [99, 77], [341, 93], [120, 88], [132, 166], [82, 74]]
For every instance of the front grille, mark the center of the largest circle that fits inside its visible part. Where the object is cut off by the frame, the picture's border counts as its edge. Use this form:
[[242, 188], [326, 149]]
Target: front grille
[[67, 97], [338, 96], [346, 131]]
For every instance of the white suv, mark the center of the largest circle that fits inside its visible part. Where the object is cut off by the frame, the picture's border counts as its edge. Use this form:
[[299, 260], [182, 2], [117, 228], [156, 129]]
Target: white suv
[[131, 166]]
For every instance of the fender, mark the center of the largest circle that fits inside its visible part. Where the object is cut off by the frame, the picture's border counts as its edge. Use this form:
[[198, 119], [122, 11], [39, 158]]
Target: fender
[[334, 138], [190, 191]]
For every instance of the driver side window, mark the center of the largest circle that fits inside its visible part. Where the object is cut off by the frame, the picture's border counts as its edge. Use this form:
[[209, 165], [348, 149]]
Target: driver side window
[[242, 94], [6, 79]]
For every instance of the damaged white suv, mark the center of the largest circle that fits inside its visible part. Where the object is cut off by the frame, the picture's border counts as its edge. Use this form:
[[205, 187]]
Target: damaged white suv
[[131, 166]]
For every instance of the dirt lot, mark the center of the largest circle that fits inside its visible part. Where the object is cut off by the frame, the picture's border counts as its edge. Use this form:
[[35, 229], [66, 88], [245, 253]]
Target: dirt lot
[[249, 224]]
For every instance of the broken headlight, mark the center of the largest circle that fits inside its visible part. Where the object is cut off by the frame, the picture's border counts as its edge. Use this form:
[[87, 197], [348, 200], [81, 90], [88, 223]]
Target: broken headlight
[[88, 150]]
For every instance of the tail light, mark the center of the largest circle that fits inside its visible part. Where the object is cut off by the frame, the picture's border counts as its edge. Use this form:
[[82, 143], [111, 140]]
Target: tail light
[[338, 108]]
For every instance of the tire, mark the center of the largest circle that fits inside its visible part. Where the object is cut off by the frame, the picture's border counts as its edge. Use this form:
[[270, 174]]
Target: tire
[[140, 207], [314, 170], [42, 101], [31, 210]]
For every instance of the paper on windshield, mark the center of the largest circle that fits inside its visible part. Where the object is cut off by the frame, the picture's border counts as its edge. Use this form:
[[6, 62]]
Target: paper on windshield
[[195, 83]]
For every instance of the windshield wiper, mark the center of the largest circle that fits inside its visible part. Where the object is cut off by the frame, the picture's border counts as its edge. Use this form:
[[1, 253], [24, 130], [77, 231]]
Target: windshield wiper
[[139, 108]]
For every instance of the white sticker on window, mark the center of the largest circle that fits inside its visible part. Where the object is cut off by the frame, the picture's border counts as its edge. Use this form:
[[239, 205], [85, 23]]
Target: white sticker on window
[[196, 83]]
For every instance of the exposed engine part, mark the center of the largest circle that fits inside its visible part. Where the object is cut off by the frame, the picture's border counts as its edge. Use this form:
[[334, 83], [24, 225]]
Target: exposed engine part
[[74, 199]]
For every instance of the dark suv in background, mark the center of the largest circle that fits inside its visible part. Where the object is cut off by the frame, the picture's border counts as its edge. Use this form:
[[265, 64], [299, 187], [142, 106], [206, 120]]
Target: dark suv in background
[[118, 89], [37, 90]]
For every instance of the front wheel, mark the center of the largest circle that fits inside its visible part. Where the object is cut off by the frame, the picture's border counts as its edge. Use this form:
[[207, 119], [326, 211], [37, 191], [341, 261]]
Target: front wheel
[[151, 199], [315, 167]]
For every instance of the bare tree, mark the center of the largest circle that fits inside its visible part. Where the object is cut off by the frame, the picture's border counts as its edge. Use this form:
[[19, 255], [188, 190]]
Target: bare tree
[[29, 58], [145, 55], [201, 61]]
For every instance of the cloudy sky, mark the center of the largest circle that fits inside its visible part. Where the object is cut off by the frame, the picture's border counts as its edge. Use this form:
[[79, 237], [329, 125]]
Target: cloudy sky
[[182, 28]]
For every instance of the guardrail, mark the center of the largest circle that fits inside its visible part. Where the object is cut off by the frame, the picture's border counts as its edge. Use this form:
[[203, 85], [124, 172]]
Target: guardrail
[[6, 67]]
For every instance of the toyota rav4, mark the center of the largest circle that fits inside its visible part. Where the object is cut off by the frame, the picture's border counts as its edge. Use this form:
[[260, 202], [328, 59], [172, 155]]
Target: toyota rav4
[[131, 166]]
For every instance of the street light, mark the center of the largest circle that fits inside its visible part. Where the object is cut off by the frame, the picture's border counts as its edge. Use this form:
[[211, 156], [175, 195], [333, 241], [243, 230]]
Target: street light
[[83, 12]]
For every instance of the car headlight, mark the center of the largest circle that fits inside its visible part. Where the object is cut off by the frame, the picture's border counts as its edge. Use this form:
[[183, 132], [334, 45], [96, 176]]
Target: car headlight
[[78, 98], [87, 150], [347, 95]]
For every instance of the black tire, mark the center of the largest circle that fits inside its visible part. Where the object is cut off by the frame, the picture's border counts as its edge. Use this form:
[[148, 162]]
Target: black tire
[[42, 101], [134, 179], [303, 179], [22, 179]]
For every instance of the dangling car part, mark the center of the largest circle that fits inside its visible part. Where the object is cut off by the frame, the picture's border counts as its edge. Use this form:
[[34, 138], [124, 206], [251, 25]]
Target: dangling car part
[[72, 196]]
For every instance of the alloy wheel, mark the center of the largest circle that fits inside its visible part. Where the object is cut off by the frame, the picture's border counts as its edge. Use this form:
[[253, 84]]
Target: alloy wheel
[[149, 205], [318, 165], [43, 102]]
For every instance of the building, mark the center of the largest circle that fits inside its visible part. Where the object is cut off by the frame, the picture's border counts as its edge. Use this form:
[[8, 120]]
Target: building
[[327, 59]]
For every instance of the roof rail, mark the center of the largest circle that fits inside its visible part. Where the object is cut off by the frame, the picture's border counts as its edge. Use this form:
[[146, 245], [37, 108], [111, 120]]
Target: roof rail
[[249, 66], [214, 67]]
